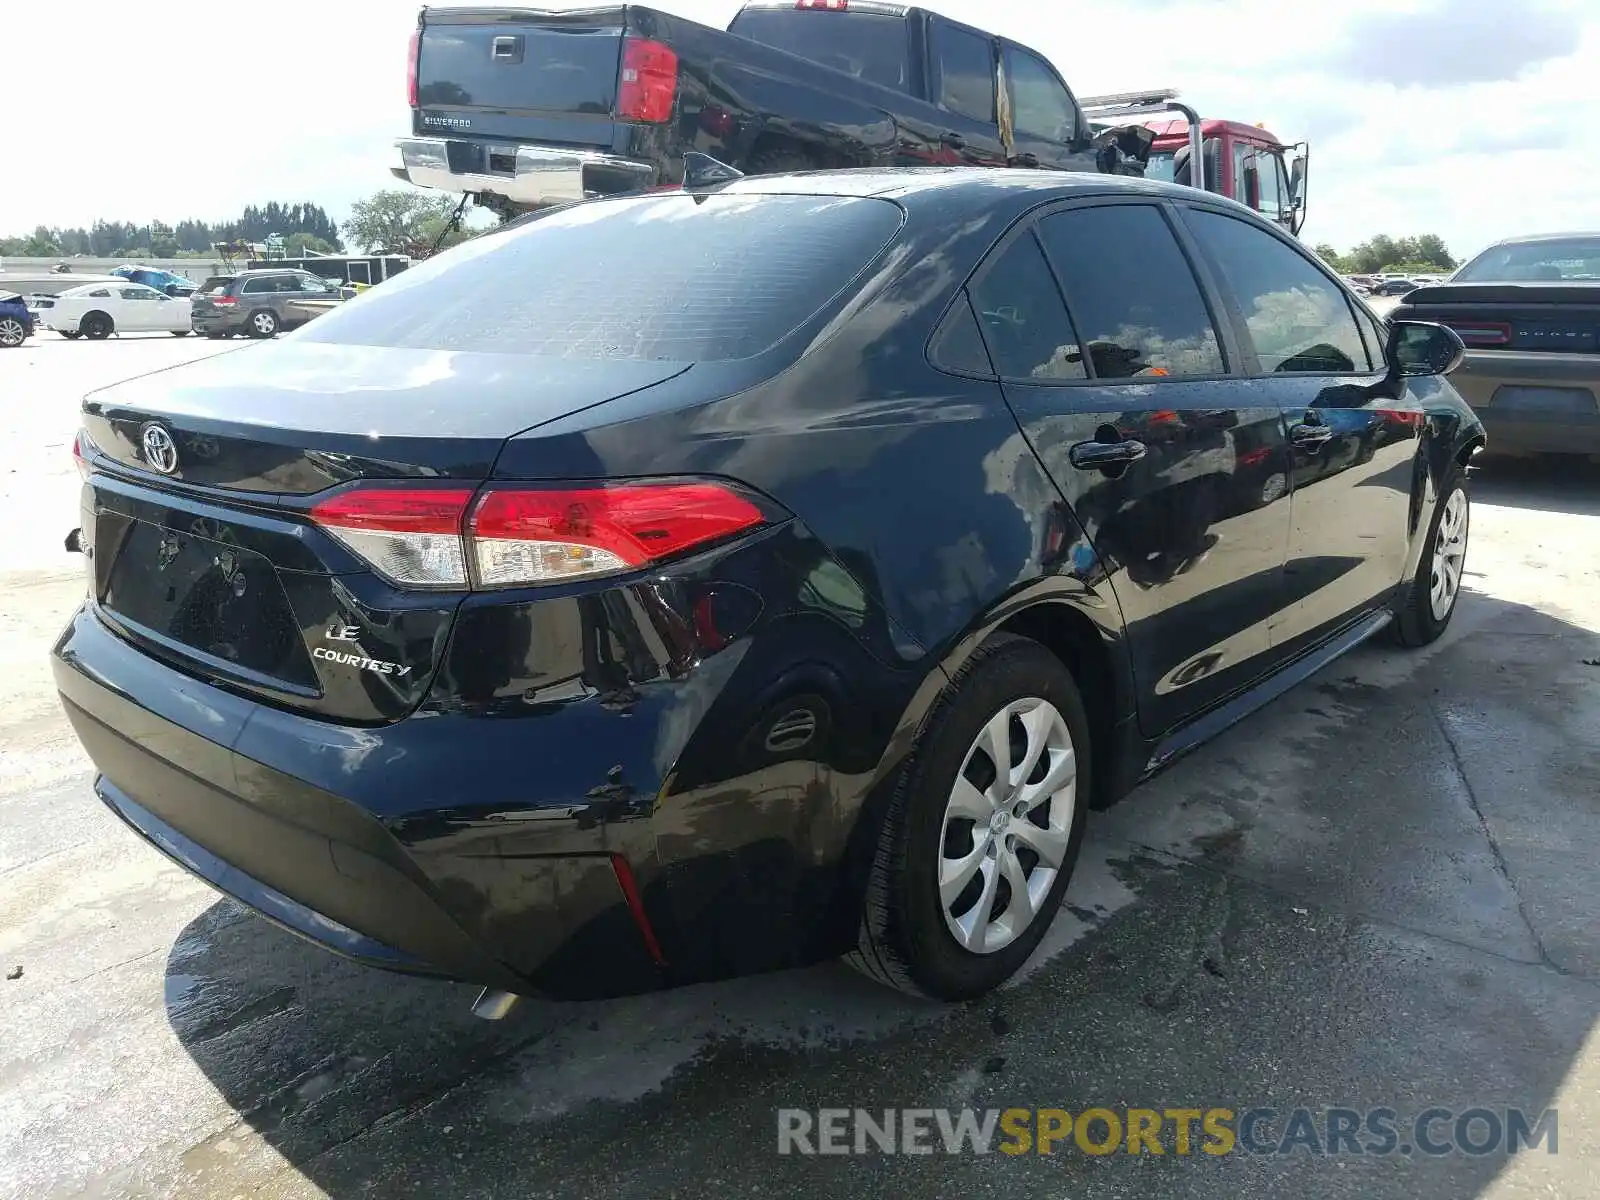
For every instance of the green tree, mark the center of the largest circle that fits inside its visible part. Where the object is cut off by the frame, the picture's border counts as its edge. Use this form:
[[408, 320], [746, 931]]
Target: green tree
[[42, 244], [297, 244], [398, 220], [1332, 257]]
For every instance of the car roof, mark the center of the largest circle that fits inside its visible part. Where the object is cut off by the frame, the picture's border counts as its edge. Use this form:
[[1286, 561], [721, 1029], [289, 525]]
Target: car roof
[[1529, 238]]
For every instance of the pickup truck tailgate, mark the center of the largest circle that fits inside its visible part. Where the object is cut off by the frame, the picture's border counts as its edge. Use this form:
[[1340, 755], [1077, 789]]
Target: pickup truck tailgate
[[521, 61]]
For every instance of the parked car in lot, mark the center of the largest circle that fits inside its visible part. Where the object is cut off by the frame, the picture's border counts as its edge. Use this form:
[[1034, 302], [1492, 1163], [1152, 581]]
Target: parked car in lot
[[1528, 309], [16, 321], [798, 599], [97, 310], [524, 108], [257, 303], [1393, 287]]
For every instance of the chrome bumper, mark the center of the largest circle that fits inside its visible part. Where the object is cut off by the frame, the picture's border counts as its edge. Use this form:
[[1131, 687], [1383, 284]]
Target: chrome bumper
[[538, 175]]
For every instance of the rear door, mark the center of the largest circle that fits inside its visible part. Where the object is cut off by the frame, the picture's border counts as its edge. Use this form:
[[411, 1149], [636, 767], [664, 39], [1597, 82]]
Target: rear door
[[1352, 429], [1173, 464], [963, 80], [1044, 118]]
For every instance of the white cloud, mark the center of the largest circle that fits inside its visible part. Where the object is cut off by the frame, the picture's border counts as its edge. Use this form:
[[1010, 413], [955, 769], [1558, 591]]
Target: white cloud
[[302, 100]]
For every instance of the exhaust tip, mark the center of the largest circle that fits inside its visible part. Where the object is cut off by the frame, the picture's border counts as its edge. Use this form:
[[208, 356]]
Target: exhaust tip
[[493, 1004]]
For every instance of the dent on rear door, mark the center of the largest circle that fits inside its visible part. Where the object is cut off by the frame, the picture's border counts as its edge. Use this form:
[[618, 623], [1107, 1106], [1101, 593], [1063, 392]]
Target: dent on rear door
[[1191, 532]]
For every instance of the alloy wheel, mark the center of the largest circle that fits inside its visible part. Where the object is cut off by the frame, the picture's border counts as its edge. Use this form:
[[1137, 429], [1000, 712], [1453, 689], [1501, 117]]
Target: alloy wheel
[[11, 333], [265, 324], [1449, 555], [1007, 825]]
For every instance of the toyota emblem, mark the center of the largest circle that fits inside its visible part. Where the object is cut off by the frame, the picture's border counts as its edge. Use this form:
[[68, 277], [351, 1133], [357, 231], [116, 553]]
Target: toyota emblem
[[160, 451]]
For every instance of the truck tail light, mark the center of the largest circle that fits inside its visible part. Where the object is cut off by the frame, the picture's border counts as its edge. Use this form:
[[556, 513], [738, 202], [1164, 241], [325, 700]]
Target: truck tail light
[[649, 81], [521, 536], [411, 68]]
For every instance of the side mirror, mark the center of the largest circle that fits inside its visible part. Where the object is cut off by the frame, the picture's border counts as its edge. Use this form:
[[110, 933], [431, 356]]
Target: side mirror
[[1297, 182], [1252, 187], [1424, 348]]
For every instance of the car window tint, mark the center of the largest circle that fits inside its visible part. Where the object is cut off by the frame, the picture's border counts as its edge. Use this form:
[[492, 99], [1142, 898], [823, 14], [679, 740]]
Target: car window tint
[[255, 286], [1040, 104], [134, 293], [966, 72], [99, 292], [710, 278], [1133, 297], [1024, 320], [1375, 331], [958, 346], [1299, 319]]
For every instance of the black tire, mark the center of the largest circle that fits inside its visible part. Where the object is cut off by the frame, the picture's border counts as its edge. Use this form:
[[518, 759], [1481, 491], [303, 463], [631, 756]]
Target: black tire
[[96, 326], [71, 335], [12, 333], [778, 160], [217, 337], [906, 942], [179, 332], [1417, 619], [263, 323]]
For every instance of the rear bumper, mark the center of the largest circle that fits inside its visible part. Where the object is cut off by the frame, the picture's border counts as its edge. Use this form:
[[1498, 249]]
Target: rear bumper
[[1534, 402], [326, 866], [532, 175]]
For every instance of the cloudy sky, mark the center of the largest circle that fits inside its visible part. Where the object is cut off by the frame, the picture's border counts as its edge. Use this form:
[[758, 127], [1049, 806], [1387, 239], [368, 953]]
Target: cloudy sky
[[1468, 118]]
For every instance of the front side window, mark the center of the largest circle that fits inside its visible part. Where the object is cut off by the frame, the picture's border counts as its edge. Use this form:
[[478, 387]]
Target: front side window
[[966, 72], [1040, 104], [1299, 319], [1133, 297], [1024, 321]]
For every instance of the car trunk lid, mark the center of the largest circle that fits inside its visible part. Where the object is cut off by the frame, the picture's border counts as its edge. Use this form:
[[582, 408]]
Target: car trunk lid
[[199, 523], [1553, 317]]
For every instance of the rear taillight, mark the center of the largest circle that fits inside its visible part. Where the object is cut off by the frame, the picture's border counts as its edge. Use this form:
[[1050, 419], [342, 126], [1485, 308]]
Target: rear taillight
[[224, 301], [824, 5], [1483, 333], [82, 448], [519, 536], [649, 81], [411, 68]]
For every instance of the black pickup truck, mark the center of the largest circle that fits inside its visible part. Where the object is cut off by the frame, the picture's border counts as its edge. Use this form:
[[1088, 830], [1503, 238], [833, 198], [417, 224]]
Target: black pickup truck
[[524, 108]]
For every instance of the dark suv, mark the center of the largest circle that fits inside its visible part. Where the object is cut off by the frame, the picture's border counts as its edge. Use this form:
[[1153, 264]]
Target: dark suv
[[257, 303]]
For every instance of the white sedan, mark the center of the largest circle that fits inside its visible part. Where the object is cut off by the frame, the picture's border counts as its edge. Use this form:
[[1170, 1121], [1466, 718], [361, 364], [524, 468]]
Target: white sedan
[[97, 310]]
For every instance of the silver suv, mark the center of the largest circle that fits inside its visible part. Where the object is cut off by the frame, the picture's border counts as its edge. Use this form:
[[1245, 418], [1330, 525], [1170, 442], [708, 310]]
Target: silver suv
[[257, 303]]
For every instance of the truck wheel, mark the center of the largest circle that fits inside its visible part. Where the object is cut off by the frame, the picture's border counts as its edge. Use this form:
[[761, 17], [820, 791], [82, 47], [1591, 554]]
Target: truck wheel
[[776, 160]]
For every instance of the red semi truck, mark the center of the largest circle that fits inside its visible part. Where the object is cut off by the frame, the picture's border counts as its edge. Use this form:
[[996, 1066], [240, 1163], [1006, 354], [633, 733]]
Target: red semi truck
[[1239, 160]]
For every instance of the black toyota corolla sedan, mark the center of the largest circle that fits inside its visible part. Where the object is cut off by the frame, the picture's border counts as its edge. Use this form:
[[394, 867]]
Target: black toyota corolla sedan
[[675, 586]]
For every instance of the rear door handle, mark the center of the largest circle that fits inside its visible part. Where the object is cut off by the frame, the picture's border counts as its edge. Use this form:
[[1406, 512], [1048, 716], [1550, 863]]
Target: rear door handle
[[1098, 456], [1310, 436]]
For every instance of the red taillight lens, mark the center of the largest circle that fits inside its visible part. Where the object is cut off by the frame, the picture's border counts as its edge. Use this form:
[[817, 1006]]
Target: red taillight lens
[[82, 447], [824, 5], [524, 536], [224, 301], [649, 81], [411, 536], [519, 536], [411, 68], [1483, 333]]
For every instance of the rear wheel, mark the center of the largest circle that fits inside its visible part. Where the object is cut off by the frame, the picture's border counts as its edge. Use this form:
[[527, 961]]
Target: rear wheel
[[217, 337], [1427, 607], [263, 323], [777, 160], [96, 326], [12, 334], [984, 829], [71, 335]]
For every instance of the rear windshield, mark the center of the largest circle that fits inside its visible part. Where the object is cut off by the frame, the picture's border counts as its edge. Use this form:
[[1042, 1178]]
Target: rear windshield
[[691, 279], [870, 46], [1521, 262]]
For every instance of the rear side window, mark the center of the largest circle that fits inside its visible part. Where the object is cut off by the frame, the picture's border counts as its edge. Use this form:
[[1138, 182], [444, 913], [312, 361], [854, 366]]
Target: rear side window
[[1299, 319], [1023, 318], [870, 46], [675, 277], [1132, 294], [254, 287], [966, 72]]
